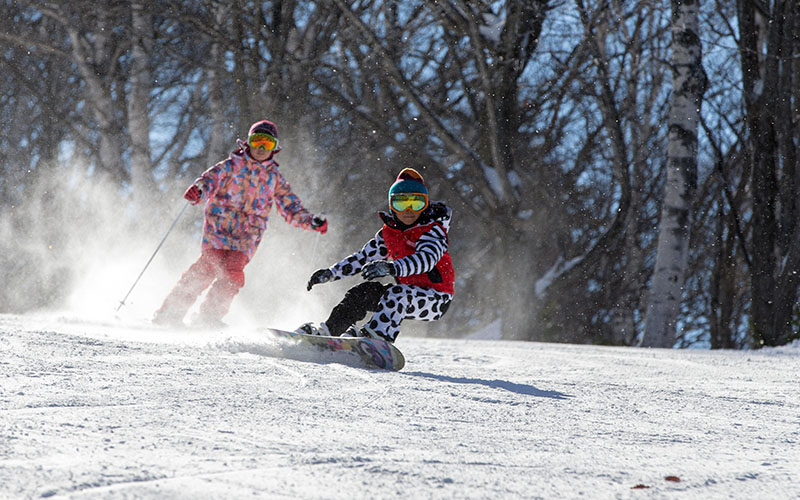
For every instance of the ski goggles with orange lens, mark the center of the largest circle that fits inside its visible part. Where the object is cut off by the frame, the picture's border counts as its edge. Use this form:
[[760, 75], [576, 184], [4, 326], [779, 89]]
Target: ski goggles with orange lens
[[416, 202], [263, 141]]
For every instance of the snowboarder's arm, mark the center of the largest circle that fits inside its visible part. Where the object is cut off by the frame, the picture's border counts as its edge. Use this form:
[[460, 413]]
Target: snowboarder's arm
[[375, 249], [430, 248]]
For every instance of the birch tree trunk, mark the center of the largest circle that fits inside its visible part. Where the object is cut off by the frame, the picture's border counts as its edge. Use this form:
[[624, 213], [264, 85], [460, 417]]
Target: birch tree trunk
[[688, 84], [138, 118]]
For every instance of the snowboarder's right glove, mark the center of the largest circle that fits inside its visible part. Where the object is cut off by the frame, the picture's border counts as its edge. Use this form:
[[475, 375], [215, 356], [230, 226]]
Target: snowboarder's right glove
[[321, 276], [377, 269], [193, 194]]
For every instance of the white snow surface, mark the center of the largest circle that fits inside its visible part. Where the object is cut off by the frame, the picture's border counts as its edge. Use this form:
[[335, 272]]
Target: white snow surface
[[103, 410]]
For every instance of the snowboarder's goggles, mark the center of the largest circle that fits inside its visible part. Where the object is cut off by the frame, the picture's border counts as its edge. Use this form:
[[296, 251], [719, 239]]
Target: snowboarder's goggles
[[263, 141], [416, 202]]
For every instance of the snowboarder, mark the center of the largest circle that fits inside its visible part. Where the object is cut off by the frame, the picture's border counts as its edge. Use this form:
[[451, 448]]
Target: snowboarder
[[411, 247], [239, 194]]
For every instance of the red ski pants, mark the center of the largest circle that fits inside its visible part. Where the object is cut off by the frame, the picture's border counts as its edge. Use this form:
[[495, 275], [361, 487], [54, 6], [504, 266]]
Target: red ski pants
[[223, 268]]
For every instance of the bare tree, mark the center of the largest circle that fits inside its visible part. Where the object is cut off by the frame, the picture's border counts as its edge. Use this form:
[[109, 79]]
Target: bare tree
[[469, 122], [769, 48], [542, 124], [216, 79], [621, 84], [96, 49], [140, 81], [688, 86]]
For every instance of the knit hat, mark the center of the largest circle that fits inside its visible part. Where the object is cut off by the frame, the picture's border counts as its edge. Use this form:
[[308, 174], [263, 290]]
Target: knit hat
[[408, 181], [264, 127]]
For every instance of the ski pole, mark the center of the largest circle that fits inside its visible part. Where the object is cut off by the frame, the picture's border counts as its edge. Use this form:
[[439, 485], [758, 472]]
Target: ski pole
[[314, 249], [316, 241], [122, 302]]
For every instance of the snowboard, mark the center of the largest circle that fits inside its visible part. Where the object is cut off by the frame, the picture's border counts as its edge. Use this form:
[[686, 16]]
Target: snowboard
[[374, 353]]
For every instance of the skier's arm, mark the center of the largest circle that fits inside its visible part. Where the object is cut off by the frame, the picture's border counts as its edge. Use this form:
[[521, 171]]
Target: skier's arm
[[375, 249], [289, 205], [430, 248], [209, 181]]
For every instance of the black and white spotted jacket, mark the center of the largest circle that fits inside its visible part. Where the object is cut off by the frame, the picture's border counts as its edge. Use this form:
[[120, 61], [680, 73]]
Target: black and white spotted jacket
[[430, 247]]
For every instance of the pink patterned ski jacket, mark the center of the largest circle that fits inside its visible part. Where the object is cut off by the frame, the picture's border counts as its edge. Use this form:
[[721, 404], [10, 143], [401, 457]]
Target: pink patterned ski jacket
[[240, 193]]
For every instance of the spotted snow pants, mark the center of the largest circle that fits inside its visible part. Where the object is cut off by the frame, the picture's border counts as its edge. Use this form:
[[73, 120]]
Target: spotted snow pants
[[390, 305]]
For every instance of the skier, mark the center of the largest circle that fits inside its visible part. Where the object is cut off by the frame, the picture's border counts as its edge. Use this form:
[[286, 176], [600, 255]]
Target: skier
[[411, 247], [240, 192]]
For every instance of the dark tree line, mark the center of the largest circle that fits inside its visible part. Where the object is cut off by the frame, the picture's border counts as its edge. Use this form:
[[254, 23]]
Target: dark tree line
[[544, 123]]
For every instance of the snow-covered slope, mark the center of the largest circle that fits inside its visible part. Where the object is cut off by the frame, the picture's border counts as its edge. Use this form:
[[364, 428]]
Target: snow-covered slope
[[104, 411]]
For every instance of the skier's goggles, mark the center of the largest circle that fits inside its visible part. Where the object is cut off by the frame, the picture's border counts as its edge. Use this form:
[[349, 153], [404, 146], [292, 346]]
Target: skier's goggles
[[416, 202], [263, 141]]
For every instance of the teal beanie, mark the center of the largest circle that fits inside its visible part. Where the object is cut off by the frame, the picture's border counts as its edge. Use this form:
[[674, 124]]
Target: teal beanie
[[407, 186]]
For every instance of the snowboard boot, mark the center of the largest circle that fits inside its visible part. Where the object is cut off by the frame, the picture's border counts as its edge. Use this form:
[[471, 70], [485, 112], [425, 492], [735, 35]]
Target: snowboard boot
[[367, 332], [364, 331], [310, 329]]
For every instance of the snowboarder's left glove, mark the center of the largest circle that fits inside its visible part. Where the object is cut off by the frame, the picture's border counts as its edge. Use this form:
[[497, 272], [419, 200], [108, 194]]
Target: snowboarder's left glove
[[321, 276], [319, 224], [377, 269]]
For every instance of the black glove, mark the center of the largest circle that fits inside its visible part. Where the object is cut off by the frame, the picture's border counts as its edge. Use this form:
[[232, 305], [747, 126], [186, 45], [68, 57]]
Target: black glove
[[319, 224], [321, 276], [377, 269]]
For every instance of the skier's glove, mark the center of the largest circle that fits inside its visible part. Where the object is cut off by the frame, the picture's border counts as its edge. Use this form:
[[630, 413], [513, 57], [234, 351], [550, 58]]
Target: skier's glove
[[193, 194], [319, 224], [321, 276], [377, 269]]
